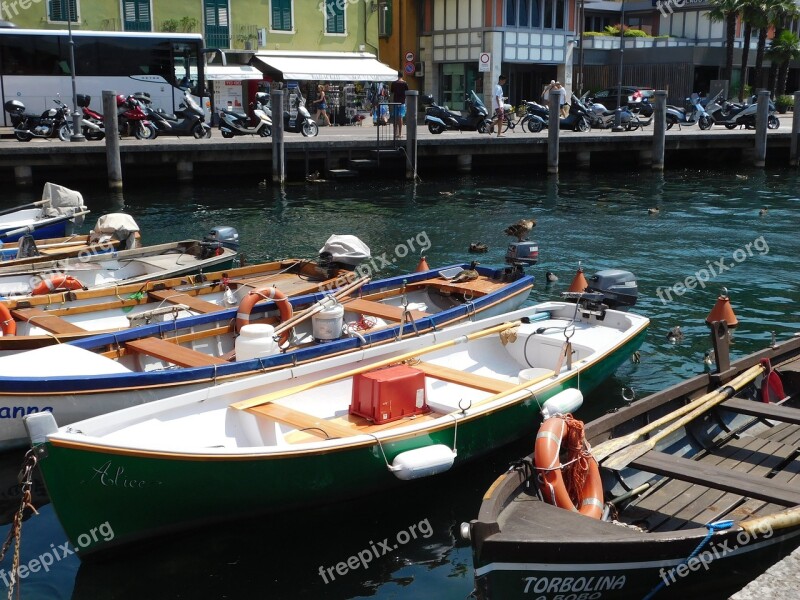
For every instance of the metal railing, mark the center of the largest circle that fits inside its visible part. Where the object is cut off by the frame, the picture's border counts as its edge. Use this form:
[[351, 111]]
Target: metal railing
[[384, 125]]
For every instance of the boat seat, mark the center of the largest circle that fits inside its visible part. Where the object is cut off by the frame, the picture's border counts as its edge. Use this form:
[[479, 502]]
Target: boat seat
[[775, 412], [383, 311], [475, 288], [479, 382], [48, 322], [172, 352], [302, 421], [193, 302]]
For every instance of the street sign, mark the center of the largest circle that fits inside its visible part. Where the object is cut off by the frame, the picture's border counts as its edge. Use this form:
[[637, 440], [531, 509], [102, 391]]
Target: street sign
[[409, 57], [409, 68], [485, 62]]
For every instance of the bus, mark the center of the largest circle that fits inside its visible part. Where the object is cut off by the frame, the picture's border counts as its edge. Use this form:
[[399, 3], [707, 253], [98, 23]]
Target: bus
[[35, 67]]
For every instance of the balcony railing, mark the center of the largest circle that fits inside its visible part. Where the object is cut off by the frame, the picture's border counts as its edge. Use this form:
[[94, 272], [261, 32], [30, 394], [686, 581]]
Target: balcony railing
[[612, 43]]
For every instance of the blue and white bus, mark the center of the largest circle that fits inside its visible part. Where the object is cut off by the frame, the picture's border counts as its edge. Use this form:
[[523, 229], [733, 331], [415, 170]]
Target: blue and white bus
[[35, 67]]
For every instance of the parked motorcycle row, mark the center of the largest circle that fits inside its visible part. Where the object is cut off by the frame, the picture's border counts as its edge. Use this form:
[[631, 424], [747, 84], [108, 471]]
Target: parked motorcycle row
[[233, 123], [585, 114]]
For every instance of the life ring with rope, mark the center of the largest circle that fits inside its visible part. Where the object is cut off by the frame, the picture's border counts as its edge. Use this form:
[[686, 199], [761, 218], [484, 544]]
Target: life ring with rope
[[7, 323], [255, 296], [575, 485], [56, 283]]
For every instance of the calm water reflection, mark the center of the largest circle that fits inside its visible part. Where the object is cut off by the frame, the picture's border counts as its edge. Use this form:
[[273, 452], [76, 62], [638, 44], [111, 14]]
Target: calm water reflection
[[599, 219]]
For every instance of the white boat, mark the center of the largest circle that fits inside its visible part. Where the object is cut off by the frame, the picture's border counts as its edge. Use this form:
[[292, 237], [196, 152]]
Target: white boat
[[59, 210]]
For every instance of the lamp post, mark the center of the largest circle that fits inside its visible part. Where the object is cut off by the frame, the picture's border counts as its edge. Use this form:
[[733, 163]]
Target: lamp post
[[582, 25], [618, 115], [77, 116]]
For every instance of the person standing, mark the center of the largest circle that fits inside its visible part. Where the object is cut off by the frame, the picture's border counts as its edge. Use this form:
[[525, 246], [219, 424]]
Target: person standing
[[562, 99], [546, 92], [322, 104], [497, 102], [399, 88]]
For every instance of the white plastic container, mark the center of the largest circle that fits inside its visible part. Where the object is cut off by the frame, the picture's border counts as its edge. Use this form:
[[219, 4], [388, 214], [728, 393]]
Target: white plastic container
[[327, 323], [256, 341]]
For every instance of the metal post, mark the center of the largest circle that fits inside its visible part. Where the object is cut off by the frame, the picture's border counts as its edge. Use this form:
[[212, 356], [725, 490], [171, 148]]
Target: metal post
[[762, 114], [77, 113], [278, 150], [618, 116], [113, 162], [553, 122], [582, 25], [659, 130], [412, 102], [795, 143]]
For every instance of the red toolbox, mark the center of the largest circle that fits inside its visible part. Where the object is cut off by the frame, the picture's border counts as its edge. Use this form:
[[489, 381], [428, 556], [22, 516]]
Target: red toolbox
[[389, 394]]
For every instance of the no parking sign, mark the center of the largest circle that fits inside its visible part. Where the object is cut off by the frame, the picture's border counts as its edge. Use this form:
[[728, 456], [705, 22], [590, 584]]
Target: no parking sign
[[485, 62], [409, 68]]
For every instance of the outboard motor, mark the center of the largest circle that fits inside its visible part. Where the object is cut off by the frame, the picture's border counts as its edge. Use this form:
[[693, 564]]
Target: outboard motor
[[617, 286], [342, 252], [520, 255], [225, 235]]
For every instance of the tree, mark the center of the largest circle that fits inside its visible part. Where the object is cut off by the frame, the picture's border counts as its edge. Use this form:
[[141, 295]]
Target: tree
[[775, 13], [784, 49], [727, 11], [750, 13]]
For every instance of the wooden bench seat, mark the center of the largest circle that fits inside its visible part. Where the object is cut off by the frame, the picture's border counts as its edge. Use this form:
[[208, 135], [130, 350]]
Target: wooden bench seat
[[775, 412], [479, 382], [301, 420], [383, 311], [476, 287], [47, 321], [170, 352], [193, 302]]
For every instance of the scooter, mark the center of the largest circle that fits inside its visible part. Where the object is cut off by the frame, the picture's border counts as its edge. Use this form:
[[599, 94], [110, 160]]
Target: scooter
[[578, 118], [440, 118], [94, 128], [189, 119], [51, 123], [693, 112], [301, 123], [733, 115], [602, 118], [133, 119], [236, 123]]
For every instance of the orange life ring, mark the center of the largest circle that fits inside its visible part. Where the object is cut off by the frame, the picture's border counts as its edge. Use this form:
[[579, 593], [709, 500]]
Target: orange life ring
[[249, 301], [7, 323], [551, 480], [55, 283]]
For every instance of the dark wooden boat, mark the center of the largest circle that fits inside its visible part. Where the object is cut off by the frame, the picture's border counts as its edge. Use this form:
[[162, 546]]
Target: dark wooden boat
[[696, 505]]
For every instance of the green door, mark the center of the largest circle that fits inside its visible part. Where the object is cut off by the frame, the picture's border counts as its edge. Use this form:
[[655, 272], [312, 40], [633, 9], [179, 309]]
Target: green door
[[136, 15], [218, 33]]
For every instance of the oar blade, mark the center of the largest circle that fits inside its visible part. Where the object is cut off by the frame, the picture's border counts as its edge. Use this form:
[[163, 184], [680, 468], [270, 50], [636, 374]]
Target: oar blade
[[607, 448], [623, 458]]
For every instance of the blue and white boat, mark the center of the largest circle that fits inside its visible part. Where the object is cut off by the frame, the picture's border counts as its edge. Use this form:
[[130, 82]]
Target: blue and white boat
[[55, 215]]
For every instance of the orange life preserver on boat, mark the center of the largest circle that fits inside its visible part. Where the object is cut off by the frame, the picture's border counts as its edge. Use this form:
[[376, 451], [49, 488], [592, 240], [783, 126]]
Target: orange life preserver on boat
[[579, 488], [57, 282], [7, 323], [249, 301]]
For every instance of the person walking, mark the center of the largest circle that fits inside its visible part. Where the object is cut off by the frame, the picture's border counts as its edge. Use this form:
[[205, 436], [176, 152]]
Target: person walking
[[322, 105], [399, 88], [562, 99], [497, 102], [546, 92]]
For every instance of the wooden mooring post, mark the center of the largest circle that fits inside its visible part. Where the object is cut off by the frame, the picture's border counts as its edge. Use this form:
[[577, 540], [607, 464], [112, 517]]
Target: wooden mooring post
[[278, 150], [762, 115], [553, 122], [659, 130], [113, 161], [412, 102], [795, 143]]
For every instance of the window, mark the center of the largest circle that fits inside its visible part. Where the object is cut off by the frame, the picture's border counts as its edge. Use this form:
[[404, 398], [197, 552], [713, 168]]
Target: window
[[384, 18], [136, 15], [281, 15], [334, 16], [218, 34], [57, 10]]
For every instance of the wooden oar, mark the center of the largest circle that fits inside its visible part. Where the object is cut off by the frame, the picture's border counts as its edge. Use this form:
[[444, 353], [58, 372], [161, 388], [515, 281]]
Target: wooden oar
[[625, 456], [8, 211], [606, 449], [245, 404], [320, 305]]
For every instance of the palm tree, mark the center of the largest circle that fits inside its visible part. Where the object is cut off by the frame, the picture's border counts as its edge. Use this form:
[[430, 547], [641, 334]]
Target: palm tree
[[750, 12], [784, 49], [727, 11], [774, 14]]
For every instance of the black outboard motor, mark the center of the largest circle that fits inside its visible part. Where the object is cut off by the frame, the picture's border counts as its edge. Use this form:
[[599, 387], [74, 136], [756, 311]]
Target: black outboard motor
[[219, 238], [618, 287]]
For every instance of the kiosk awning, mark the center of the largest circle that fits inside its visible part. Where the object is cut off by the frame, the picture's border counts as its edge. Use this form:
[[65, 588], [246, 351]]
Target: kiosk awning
[[324, 66], [232, 72]]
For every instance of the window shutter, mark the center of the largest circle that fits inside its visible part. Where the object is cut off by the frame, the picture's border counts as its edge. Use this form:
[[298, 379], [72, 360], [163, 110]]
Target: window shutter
[[282, 15], [57, 12], [334, 17]]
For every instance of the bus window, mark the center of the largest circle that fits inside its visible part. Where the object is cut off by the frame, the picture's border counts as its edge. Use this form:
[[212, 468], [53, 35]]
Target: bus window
[[185, 61], [33, 55]]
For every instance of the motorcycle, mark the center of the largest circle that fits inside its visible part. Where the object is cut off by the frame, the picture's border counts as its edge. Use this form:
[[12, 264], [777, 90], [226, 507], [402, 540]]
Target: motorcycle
[[578, 118], [51, 123], [732, 115], [94, 128], [693, 112], [236, 123], [189, 119], [133, 119], [601, 118], [441, 118]]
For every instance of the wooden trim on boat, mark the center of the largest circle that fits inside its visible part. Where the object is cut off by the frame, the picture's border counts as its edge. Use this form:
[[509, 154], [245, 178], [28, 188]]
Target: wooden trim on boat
[[786, 414], [378, 309], [479, 382], [718, 478], [172, 352], [193, 302], [47, 321]]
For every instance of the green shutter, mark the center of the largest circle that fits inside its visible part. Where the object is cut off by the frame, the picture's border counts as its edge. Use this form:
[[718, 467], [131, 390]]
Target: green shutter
[[282, 15], [136, 15], [58, 10], [217, 25], [388, 18], [334, 16]]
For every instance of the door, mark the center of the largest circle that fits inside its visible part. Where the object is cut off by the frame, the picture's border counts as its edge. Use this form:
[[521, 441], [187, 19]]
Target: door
[[218, 33], [136, 15]]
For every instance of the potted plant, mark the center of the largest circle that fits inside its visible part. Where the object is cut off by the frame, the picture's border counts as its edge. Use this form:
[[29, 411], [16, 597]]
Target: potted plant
[[247, 39], [784, 103]]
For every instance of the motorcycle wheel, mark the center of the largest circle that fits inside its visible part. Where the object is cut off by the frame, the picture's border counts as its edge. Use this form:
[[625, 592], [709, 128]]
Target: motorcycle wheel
[[705, 122], [144, 132], [266, 131], [226, 133], [23, 136], [310, 129], [731, 125], [671, 121], [534, 125], [94, 136], [65, 131], [198, 131], [582, 125], [435, 128], [483, 126], [773, 122]]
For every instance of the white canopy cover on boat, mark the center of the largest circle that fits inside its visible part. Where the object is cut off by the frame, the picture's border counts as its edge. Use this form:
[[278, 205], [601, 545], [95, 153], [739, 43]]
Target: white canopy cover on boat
[[62, 201], [327, 66], [115, 225], [346, 249]]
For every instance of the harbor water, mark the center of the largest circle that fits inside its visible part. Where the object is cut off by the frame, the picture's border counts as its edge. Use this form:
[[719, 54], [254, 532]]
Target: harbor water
[[706, 232]]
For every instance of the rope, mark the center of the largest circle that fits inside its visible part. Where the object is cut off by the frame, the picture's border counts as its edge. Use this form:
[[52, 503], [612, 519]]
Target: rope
[[712, 529], [576, 470]]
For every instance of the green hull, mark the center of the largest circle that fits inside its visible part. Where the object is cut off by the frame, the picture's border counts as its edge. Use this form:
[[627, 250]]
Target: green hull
[[140, 496]]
